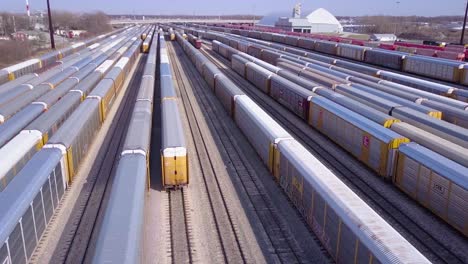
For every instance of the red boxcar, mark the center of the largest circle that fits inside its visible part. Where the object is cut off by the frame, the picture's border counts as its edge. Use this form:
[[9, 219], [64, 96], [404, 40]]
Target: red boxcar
[[451, 55], [387, 46], [194, 41]]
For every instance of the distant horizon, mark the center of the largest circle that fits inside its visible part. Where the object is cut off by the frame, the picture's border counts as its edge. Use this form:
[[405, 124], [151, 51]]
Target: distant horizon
[[224, 15], [426, 8]]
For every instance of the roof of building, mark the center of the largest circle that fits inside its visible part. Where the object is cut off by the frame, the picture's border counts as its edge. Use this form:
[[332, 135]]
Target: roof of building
[[322, 16]]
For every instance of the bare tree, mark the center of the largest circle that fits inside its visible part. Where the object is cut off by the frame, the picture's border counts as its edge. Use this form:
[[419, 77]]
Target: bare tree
[[95, 23], [65, 20], [15, 21], [14, 51]]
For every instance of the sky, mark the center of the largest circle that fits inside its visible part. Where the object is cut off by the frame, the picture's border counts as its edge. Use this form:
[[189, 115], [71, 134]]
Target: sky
[[259, 7]]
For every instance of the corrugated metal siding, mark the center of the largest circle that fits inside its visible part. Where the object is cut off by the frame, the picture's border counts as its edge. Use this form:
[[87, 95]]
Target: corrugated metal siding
[[39, 214], [238, 64], [210, 71], [29, 233], [306, 43], [15, 243], [140, 123], [383, 58], [326, 47], [225, 91], [259, 77], [432, 68], [4, 254]]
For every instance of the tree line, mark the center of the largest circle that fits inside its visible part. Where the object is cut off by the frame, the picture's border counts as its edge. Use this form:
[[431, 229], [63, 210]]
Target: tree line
[[93, 23]]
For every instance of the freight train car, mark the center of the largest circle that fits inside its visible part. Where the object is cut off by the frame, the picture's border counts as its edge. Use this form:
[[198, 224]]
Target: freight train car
[[196, 42], [436, 182]]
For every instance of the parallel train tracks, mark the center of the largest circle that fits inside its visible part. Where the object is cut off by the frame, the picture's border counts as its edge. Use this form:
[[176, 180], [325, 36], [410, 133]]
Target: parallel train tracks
[[230, 249], [354, 174], [280, 241]]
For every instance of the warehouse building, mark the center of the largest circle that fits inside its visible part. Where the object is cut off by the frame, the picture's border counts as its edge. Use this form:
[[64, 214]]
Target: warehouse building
[[293, 24]]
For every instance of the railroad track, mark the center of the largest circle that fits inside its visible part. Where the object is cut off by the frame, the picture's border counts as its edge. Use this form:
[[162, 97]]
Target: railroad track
[[353, 174], [78, 238], [181, 250], [277, 234], [230, 247]]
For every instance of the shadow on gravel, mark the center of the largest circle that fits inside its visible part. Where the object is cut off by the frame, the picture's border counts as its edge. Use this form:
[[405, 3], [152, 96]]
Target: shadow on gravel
[[155, 149]]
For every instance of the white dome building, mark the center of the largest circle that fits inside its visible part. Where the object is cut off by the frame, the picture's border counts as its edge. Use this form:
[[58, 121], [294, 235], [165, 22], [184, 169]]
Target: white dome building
[[318, 21], [323, 21]]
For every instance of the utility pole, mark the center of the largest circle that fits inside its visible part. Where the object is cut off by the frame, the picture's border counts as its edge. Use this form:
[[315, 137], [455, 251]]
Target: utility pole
[[27, 8], [14, 24], [253, 15], [51, 28], [464, 25], [396, 20]]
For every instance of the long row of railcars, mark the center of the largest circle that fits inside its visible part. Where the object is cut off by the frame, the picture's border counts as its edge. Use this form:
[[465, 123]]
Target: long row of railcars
[[51, 89], [453, 110], [436, 68], [148, 40], [385, 94], [428, 48], [346, 225], [51, 78], [368, 138], [29, 201], [29, 140], [30, 130], [121, 232], [424, 90], [47, 60], [37, 78], [388, 97], [174, 155], [393, 95], [367, 72]]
